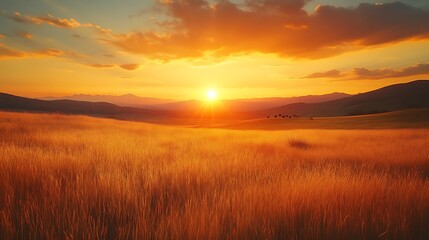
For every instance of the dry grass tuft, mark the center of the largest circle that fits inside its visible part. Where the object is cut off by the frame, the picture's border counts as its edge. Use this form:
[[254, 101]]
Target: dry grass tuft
[[300, 144]]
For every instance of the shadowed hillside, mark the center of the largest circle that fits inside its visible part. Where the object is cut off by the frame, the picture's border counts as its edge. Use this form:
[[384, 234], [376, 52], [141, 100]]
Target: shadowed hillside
[[391, 98]]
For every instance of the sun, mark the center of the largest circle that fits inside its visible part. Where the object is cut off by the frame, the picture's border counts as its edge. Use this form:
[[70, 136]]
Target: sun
[[211, 94]]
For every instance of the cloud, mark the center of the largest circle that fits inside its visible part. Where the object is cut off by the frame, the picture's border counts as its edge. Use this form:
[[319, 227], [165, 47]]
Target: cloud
[[375, 74], [7, 52], [364, 73], [47, 19], [75, 35], [25, 35], [130, 66], [328, 74], [56, 22], [199, 28], [51, 52], [98, 65]]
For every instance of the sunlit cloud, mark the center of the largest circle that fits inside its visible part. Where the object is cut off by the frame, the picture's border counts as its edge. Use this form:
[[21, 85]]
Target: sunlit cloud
[[7, 52], [279, 27], [47, 19], [129, 67], [56, 22]]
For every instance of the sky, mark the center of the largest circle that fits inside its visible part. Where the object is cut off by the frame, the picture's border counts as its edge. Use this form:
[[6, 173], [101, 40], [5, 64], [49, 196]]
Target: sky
[[177, 49]]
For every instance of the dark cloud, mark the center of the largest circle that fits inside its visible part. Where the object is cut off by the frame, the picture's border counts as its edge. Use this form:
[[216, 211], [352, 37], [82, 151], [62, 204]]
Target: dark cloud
[[281, 27]]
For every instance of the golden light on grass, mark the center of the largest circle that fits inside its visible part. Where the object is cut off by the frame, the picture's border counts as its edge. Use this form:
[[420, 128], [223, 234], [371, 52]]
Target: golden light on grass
[[71, 177]]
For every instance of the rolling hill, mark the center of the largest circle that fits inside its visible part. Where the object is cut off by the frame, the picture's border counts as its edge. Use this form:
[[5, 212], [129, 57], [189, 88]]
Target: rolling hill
[[396, 97], [15, 103], [391, 98], [127, 100]]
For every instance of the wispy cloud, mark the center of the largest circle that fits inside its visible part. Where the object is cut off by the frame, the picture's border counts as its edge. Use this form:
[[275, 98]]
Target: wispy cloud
[[374, 74], [130, 66], [56, 22], [8, 52], [99, 65], [26, 35]]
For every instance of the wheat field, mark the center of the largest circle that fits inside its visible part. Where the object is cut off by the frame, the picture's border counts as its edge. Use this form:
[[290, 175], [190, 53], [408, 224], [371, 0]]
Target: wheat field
[[75, 177]]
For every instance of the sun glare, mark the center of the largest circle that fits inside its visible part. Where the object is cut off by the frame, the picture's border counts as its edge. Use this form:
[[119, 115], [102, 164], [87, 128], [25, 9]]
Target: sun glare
[[211, 94]]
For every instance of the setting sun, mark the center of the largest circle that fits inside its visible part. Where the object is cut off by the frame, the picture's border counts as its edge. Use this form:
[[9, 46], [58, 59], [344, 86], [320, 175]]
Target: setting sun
[[211, 94]]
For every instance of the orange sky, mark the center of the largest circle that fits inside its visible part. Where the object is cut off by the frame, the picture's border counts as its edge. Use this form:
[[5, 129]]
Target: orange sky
[[178, 49]]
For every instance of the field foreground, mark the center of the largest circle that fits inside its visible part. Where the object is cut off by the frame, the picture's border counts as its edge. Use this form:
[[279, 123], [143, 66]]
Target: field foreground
[[80, 177]]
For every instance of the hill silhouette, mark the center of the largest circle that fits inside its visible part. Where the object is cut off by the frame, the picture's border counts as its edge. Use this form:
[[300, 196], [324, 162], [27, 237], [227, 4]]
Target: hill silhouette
[[15, 103], [127, 100], [391, 98]]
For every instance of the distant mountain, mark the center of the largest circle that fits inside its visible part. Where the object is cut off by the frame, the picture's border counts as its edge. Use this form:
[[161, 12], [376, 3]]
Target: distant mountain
[[251, 104], [15, 103], [127, 100], [391, 98]]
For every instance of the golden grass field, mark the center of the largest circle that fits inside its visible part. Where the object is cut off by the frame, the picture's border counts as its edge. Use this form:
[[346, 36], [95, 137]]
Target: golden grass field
[[75, 177]]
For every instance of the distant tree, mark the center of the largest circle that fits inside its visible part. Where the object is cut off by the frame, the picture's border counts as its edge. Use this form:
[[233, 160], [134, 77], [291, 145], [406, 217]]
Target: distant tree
[[275, 116], [268, 116]]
